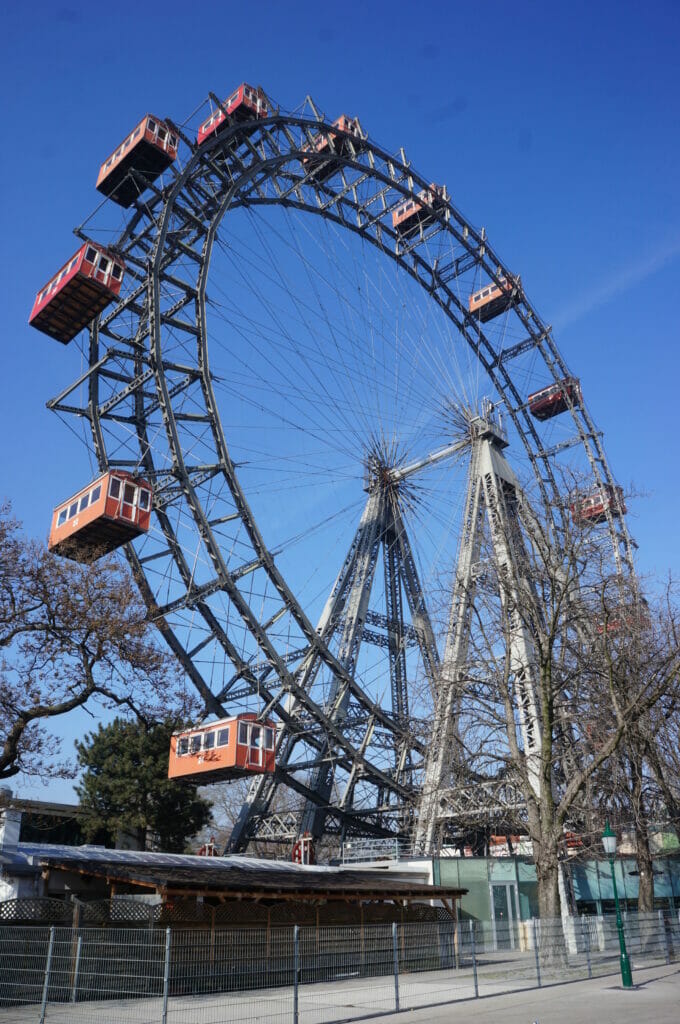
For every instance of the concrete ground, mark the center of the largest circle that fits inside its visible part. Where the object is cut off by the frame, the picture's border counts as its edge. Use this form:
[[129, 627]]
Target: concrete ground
[[655, 999]]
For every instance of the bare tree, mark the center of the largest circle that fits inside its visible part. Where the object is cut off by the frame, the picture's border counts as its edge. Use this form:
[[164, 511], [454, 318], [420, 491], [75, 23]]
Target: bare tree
[[640, 783], [597, 671], [71, 636]]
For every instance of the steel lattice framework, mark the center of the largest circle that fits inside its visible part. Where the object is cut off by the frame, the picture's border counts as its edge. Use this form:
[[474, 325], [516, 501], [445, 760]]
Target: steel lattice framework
[[207, 574]]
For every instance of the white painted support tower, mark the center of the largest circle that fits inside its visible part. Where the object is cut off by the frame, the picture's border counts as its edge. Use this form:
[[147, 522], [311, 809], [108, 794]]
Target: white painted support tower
[[492, 488]]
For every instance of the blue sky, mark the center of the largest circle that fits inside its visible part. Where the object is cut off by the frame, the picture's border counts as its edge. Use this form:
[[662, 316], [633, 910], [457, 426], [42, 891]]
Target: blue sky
[[553, 125]]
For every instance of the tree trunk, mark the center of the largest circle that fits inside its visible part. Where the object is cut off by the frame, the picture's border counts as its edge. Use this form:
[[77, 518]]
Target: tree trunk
[[645, 869], [547, 875], [549, 932]]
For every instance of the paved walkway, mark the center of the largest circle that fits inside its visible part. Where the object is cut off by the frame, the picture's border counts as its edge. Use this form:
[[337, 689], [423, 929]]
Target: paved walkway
[[655, 999]]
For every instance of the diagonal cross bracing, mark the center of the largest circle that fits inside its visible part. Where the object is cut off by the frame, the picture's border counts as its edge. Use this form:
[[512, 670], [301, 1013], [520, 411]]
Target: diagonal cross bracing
[[492, 489]]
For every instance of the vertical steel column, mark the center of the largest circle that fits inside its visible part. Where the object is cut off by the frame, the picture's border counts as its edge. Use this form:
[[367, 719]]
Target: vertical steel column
[[536, 957], [296, 971], [166, 977], [395, 959], [444, 752], [502, 496], [46, 983], [369, 534], [76, 969]]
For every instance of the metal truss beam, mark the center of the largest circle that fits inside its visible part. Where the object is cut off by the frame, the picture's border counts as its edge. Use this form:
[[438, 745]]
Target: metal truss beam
[[493, 487]]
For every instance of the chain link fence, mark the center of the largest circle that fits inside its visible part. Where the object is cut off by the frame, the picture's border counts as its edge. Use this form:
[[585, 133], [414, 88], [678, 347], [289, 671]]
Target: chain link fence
[[303, 974]]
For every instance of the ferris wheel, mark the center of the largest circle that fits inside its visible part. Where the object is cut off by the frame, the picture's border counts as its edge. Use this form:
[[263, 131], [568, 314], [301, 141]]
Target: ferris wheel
[[290, 333]]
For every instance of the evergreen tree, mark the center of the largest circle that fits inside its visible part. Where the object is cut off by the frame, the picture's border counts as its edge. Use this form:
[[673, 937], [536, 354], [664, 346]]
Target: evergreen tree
[[125, 787]]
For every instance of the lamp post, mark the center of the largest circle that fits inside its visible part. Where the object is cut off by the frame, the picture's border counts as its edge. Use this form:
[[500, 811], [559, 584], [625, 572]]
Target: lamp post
[[609, 843]]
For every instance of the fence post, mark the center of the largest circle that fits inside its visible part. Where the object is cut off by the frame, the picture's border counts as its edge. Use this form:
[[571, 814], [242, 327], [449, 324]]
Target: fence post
[[46, 983], [585, 931], [474, 957], [76, 969], [166, 976], [664, 936], [538, 965], [395, 960], [296, 970]]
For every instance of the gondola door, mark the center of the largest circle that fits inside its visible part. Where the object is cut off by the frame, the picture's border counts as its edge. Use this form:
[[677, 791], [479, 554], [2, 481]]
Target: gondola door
[[255, 746], [128, 507]]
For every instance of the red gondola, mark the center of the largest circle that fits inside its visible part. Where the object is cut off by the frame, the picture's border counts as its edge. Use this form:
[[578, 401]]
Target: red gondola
[[110, 511], [231, 748], [77, 293], [594, 507], [630, 619], [555, 398], [149, 148], [245, 104], [408, 216], [495, 298], [325, 148]]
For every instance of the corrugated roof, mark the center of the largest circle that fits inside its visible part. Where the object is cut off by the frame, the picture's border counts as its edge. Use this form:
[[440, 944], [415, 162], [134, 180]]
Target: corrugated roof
[[233, 874]]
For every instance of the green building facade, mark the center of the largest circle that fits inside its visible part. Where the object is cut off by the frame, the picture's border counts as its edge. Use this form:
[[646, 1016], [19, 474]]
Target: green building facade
[[506, 887]]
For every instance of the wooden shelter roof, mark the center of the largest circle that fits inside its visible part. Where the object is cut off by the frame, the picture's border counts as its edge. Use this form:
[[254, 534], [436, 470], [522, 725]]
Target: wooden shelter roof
[[238, 877]]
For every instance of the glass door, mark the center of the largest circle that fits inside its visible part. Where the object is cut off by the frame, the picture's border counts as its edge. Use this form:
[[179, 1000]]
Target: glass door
[[503, 914]]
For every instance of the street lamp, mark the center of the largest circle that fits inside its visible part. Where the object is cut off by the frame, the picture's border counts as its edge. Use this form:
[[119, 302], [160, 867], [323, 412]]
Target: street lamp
[[609, 843]]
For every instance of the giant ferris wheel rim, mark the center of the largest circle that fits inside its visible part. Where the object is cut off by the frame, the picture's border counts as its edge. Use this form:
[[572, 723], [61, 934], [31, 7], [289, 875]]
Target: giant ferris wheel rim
[[274, 149]]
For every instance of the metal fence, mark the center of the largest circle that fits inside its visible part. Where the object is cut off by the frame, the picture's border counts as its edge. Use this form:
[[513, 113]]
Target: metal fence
[[302, 975]]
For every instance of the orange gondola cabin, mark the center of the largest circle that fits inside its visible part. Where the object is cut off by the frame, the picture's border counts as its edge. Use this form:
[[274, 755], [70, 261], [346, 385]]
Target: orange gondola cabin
[[231, 748], [554, 399], [325, 148], [77, 293], [245, 104], [491, 300], [149, 149], [408, 216], [110, 511], [594, 507], [630, 619]]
